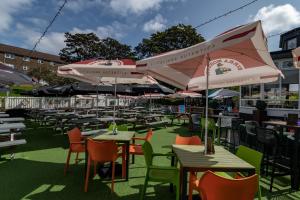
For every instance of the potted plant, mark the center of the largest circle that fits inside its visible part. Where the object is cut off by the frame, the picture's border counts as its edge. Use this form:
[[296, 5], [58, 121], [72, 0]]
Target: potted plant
[[260, 114]]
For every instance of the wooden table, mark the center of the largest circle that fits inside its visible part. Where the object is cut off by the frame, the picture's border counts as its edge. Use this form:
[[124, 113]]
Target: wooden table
[[192, 158], [123, 137], [295, 176]]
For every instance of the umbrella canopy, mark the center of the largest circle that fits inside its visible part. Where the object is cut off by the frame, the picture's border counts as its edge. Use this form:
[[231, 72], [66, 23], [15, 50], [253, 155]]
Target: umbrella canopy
[[105, 72], [10, 76], [223, 93], [184, 94], [236, 57], [296, 57]]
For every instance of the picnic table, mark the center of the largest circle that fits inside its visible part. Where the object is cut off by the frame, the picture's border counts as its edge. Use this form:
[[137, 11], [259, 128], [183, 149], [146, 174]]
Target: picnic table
[[12, 126], [295, 175], [109, 119], [123, 137], [4, 115], [11, 119], [192, 158]]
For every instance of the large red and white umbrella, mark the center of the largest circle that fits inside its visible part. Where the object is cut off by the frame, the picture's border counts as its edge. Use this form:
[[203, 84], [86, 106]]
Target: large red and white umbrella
[[296, 57], [105, 72], [236, 57]]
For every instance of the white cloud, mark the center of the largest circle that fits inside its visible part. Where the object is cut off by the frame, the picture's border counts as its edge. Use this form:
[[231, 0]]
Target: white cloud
[[278, 18], [134, 6], [8, 8], [156, 24], [53, 42], [80, 5]]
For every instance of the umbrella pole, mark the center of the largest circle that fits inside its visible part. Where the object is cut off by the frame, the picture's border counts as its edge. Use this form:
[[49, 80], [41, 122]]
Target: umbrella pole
[[97, 99], [115, 100], [206, 102]]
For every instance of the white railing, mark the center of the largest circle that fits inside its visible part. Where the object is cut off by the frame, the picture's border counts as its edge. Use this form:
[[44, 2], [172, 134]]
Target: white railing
[[59, 102]]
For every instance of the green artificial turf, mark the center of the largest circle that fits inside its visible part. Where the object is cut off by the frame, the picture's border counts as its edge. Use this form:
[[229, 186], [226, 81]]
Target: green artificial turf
[[36, 173]]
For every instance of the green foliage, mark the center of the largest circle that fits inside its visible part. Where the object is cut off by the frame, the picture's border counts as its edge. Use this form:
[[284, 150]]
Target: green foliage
[[175, 37], [49, 76], [81, 46]]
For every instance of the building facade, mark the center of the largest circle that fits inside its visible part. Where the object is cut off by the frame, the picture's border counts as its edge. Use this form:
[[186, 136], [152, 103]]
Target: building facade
[[282, 96], [25, 60]]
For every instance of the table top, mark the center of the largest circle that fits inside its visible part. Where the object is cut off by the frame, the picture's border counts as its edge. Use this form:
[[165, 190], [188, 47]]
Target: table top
[[192, 156], [4, 115], [12, 119], [12, 126], [120, 136]]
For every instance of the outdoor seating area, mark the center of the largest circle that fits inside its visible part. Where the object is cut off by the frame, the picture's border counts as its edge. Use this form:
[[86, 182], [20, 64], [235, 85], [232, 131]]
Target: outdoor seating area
[[165, 162]]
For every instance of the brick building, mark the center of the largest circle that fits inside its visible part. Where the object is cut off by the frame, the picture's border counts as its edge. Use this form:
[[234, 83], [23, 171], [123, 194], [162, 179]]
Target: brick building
[[25, 60]]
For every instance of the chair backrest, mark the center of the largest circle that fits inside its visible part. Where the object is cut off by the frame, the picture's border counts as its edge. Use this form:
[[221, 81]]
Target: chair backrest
[[149, 135], [251, 156], [214, 187], [148, 152], [268, 138], [182, 140], [195, 140], [251, 126], [102, 151], [242, 134], [74, 135]]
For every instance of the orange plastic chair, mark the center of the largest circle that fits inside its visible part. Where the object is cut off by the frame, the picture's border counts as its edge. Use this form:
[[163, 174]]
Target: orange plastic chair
[[76, 146], [136, 149], [182, 140], [101, 152], [214, 187], [195, 140]]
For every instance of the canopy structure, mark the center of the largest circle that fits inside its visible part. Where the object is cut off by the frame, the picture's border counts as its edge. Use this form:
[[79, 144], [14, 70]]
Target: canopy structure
[[236, 57], [223, 93], [296, 57], [105, 72], [10, 76], [184, 94]]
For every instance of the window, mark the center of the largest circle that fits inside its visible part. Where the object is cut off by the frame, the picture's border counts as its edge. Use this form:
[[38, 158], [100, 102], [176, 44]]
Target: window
[[25, 68], [287, 64], [292, 43], [52, 63], [10, 65], [26, 59], [9, 55], [40, 61]]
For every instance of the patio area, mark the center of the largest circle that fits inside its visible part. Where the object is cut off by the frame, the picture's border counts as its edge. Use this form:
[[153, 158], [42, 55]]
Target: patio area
[[37, 172]]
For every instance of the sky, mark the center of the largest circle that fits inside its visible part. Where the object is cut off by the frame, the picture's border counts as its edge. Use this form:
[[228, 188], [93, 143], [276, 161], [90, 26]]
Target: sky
[[129, 21]]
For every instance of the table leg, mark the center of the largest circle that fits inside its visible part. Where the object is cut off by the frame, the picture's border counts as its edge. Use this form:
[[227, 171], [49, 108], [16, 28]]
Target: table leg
[[295, 169], [183, 183], [127, 160]]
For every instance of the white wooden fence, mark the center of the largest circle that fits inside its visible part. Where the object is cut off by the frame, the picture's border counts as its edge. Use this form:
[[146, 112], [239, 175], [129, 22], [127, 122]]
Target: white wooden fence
[[60, 102]]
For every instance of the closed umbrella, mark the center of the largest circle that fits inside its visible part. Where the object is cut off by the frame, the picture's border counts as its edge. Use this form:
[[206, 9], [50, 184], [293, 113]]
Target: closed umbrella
[[236, 57]]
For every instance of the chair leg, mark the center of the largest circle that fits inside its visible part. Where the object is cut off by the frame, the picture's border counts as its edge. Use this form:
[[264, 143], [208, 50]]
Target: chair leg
[[178, 189], [87, 175], [132, 159], [259, 190], [190, 190], [113, 176], [95, 168], [145, 186], [123, 163], [272, 177], [67, 162]]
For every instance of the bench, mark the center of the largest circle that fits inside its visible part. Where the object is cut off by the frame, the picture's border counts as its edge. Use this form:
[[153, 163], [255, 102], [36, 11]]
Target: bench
[[12, 143]]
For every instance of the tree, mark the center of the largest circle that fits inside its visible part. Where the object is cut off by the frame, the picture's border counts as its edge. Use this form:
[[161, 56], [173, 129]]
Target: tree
[[175, 37], [81, 46]]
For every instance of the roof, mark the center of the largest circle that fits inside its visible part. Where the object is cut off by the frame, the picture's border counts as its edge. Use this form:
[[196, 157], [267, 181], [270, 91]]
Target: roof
[[281, 54], [26, 52], [288, 35]]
